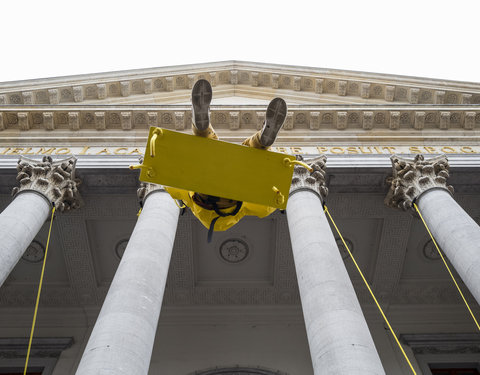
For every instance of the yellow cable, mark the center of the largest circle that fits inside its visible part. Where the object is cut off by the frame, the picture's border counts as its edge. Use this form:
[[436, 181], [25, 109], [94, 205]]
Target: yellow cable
[[371, 292], [38, 294], [448, 268]]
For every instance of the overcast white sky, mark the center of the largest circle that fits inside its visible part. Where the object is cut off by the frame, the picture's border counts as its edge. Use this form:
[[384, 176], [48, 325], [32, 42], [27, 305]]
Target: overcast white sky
[[426, 38]]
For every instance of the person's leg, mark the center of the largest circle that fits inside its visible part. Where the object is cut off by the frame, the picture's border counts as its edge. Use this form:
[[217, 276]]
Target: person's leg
[[274, 119], [201, 98]]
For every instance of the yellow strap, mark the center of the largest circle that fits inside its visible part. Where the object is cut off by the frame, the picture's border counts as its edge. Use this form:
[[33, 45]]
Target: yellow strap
[[448, 268], [371, 292], [182, 206], [38, 294]]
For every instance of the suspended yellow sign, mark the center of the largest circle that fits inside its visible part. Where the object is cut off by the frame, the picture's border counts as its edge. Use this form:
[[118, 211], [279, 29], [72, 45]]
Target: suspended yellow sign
[[217, 168]]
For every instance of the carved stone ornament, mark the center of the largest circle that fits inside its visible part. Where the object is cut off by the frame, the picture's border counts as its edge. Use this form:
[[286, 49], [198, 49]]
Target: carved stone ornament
[[234, 250], [314, 181], [54, 180], [414, 177], [145, 189]]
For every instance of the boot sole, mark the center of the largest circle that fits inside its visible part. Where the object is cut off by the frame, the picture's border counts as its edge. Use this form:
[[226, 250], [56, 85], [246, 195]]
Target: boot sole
[[274, 119], [201, 98]]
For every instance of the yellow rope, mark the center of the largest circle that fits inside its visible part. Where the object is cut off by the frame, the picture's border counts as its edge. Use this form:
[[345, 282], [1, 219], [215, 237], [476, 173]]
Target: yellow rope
[[38, 294], [371, 292], [448, 268]]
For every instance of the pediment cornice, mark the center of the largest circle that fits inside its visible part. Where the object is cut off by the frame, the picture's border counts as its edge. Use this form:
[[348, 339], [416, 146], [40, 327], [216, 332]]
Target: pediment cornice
[[245, 76]]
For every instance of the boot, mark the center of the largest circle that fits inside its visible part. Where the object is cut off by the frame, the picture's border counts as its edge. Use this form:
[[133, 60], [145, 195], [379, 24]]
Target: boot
[[274, 119], [201, 98]]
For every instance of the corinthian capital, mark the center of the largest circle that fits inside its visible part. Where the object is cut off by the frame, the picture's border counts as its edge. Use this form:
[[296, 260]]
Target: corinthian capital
[[145, 189], [54, 180], [414, 177], [314, 181]]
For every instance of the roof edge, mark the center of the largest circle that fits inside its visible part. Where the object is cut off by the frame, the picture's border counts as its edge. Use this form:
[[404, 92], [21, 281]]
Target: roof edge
[[239, 64]]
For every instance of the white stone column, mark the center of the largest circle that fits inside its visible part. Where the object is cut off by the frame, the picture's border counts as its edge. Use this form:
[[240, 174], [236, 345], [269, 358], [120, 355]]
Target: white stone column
[[121, 342], [457, 234], [339, 339], [41, 184]]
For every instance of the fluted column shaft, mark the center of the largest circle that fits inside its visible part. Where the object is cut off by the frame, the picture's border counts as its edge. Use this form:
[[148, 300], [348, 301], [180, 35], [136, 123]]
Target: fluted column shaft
[[338, 336], [121, 342], [19, 224], [457, 234]]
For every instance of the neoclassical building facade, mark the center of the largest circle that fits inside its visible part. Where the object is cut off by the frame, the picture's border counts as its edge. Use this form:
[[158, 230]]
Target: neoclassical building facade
[[145, 293]]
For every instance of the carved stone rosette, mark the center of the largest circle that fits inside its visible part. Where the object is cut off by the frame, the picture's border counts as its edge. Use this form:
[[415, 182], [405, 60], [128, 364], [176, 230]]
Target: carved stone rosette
[[413, 177], [314, 181], [145, 189], [54, 180]]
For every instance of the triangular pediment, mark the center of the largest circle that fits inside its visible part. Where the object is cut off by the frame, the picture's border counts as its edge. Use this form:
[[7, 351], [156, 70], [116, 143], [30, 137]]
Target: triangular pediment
[[243, 83], [323, 104]]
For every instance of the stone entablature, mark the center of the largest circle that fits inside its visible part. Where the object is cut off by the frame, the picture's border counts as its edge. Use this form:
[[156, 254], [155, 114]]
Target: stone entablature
[[98, 87], [321, 117]]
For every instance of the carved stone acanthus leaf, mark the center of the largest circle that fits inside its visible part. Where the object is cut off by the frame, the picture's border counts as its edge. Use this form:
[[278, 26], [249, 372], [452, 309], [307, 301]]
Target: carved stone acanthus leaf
[[145, 189], [304, 180], [54, 180], [413, 177]]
